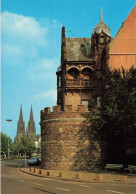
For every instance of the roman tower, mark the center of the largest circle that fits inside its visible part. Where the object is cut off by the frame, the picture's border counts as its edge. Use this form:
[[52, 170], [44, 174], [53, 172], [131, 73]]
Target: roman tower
[[20, 126]]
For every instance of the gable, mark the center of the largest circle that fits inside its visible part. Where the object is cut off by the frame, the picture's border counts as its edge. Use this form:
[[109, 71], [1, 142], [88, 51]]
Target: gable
[[122, 49]]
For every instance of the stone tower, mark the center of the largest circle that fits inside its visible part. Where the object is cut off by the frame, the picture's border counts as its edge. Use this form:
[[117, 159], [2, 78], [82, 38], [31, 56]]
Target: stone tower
[[20, 126], [78, 77], [79, 84], [31, 130]]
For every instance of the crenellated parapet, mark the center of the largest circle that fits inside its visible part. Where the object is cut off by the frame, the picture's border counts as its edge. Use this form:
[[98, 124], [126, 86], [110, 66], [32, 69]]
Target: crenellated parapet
[[46, 114]]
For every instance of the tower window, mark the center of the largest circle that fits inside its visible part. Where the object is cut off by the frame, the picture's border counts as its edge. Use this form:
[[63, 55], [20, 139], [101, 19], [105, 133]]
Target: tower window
[[101, 39], [59, 81], [98, 74], [86, 103], [99, 101]]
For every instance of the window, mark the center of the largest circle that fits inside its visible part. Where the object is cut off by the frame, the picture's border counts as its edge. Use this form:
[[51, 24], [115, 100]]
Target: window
[[73, 73], [99, 101], [101, 39], [86, 103], [59, 81], [98, 74], [87, 73]]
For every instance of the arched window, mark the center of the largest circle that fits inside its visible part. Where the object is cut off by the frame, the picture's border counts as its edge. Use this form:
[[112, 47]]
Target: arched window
[[87, 73], [73, 73]]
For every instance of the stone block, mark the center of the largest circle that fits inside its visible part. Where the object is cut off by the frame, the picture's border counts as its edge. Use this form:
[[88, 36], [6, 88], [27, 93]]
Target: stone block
[[42, 171], [49, 173], [78, 176], [81, 108], [123, 179], [56, 109], [37, 171], [47, 110], [99, 177], [67, 108], [32, 170], [62, 174]]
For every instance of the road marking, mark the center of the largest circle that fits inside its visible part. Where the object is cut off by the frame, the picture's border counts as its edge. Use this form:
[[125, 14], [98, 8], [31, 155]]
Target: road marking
[[48, 179], [115, 191], [84, 186], [38, 184], [63, 189], [60, 181]]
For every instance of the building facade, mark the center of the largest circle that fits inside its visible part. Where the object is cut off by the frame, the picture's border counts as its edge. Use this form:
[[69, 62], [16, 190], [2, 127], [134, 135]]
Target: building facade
[[79, 84]]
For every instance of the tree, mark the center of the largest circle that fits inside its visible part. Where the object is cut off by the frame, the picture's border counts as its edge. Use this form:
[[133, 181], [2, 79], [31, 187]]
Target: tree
[[4, 144], [116, 126], [112, 127], [24, 145]]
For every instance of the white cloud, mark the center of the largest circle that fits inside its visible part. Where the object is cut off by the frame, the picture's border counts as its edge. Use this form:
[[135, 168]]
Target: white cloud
[[44, 69], [26, 41], [50, 95], [22, 28]]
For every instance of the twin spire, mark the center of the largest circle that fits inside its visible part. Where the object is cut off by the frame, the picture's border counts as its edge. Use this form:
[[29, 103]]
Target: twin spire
[[30, 130], [21, 114]]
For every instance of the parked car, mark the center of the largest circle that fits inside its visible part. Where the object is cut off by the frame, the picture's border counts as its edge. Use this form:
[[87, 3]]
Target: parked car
[[34, 161]]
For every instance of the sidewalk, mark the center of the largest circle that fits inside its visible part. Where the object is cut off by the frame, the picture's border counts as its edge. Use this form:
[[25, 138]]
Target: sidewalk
[[92, 177]]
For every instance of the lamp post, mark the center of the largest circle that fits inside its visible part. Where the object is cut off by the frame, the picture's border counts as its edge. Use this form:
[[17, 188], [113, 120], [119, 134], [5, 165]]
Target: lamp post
[[8, 120]]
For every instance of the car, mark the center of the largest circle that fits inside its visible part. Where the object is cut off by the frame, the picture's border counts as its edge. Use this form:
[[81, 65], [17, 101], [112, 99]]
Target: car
[[34, 161]]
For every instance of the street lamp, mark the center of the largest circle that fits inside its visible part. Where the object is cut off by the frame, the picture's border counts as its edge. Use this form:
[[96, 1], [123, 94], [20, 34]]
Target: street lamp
[[8, 120]]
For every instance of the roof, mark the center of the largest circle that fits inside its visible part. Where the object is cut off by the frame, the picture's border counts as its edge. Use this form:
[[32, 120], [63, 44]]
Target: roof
[[122, 49], [101, 27], [78, 49]]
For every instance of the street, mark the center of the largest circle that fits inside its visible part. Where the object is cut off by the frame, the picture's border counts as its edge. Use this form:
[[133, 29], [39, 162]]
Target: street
[[14, 181]]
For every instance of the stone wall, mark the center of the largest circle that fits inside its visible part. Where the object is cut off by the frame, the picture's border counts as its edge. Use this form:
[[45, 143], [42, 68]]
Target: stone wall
[[59, 139]]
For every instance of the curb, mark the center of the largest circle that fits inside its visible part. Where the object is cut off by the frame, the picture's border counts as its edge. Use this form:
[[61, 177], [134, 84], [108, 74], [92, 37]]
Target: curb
[[74, 180]]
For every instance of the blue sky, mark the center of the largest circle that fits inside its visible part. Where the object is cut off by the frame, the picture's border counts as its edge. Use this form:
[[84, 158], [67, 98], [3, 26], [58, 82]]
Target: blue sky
[[30, 42]]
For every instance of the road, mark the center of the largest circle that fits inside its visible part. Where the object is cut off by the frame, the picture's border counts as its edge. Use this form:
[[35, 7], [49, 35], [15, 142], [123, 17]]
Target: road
[[16, 182]]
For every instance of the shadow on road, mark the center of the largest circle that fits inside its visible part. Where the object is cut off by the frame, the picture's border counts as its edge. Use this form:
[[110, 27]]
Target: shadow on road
[[43, 190]]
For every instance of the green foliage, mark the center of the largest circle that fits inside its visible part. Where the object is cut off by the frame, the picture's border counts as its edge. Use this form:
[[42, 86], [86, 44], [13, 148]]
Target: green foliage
[[88, 154], [4, 144], [118, 114], [113, 126], [25, 145]]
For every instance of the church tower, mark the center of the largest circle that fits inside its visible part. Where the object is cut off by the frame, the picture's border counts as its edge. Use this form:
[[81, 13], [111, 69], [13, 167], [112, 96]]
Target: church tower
[[31, 130], [100, 39], [20, 126]]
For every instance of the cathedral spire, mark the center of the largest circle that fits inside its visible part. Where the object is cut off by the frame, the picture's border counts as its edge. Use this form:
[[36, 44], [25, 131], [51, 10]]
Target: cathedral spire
[[101, 16], [20, 125], [21, 114], [31, 130], [31, 115]]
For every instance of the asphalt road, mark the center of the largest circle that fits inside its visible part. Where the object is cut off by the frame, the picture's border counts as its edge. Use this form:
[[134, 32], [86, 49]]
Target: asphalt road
[[15, 182]]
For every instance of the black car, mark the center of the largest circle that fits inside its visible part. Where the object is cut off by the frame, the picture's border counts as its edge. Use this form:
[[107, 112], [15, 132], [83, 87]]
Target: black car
[[34, 161]]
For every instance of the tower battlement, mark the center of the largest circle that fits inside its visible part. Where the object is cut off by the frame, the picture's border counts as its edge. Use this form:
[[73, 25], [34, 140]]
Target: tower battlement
[[46, 114]]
